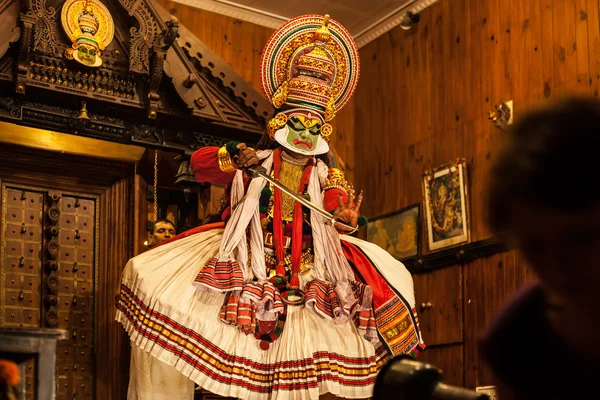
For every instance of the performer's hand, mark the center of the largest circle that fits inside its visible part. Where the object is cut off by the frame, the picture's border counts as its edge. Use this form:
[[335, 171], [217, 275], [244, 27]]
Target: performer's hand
[[246, 157], [348, 213]]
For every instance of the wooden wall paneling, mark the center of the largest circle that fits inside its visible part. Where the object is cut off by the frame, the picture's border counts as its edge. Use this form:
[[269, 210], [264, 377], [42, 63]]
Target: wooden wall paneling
[[526, 51], [536, 53], [483, 53], [259, 39], [483, 133], [560, 45], [424, 78], [116, 234], [226, 34], [593, 19], [511, 42], [440, 90], [421, 297], [140, 216], [529, 88], [368, 136], [442, 322], [504, 71], [548, 47], [398, 103], [460, 63], [582, 47], [569, 30], [488, 284], [397, 107], [343, 140], [449, 359], [473, 51]]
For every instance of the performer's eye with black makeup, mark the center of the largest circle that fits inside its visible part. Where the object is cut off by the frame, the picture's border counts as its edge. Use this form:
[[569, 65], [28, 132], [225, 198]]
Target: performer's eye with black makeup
[[296, 123]]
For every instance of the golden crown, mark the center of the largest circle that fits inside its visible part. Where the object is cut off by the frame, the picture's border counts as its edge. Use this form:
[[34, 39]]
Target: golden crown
[[312, 75], [310, 63], [87, 21]]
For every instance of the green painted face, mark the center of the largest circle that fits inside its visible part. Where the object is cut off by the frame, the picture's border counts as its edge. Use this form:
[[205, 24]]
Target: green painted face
[[303, 132], [86, 54]]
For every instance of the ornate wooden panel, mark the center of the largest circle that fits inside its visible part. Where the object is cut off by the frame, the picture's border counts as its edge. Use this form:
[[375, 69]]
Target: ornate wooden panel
[[20, 280], [48, 276]]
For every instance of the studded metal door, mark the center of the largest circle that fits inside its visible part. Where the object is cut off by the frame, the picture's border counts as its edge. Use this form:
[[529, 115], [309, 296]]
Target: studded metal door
[[48, 276]]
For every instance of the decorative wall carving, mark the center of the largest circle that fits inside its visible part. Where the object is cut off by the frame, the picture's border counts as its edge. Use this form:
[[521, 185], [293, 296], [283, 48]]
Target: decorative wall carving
[[163, 43], [27, 23], [44, 32], [106, 128], [12, 105], [52, 246], [204, 140], [145, 132], [141, 39], [101, 81]]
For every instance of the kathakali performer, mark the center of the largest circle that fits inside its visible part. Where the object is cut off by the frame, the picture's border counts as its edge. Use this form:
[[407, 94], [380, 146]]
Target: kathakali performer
[[276, 301]]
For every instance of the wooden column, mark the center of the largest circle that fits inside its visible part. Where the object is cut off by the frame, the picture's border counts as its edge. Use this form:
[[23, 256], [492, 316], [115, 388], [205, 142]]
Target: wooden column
[[116, 231]]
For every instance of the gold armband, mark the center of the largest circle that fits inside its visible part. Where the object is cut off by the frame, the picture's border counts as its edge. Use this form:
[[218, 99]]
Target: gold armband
[[337, 180], [225, 162]]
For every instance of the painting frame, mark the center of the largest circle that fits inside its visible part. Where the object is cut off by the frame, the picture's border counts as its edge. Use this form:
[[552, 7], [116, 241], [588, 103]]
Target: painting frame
[[456, 214], [413, 208]]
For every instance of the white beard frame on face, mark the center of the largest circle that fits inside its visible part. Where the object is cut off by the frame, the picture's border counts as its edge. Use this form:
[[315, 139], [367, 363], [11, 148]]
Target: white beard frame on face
[[321, 148]]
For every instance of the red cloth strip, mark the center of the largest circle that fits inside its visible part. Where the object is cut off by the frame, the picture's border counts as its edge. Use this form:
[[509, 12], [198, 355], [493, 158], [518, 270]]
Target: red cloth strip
[[298, 220]]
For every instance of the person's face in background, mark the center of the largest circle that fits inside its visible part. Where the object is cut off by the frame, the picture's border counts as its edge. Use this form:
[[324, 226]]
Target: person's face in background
[[162, 231], [563, 248]]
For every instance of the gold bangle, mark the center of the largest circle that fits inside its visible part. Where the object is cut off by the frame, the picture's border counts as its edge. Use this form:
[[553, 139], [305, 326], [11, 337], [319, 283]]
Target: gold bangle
[[225, 162], [337, 180]]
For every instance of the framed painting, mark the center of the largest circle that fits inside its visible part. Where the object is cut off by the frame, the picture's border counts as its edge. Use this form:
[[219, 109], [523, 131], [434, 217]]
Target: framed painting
[[446, 205], [398, 232]]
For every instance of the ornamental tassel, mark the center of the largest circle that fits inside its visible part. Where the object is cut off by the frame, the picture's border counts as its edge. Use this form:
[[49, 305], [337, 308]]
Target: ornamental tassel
[[295, 282], [280, 269]]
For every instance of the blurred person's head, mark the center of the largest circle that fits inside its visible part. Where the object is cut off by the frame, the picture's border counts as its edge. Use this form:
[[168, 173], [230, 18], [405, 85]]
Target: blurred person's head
[[545, 198], [162, 230]]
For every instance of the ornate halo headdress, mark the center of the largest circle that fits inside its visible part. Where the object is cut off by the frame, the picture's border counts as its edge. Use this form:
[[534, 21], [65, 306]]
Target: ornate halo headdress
[[309, 63], [90, 27]]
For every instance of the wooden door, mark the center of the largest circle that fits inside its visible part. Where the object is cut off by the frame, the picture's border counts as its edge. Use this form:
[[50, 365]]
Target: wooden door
[[449, 359], [49, 253], [439, 303], [66, 228], [489, 284]]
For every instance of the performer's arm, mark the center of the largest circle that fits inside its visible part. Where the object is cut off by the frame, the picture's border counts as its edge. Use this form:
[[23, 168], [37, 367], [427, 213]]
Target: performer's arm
[[213, 165], [218, 164]]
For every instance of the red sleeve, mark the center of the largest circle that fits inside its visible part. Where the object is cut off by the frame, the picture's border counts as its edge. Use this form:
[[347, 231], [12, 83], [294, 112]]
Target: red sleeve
[[330, 199], [205, 165]]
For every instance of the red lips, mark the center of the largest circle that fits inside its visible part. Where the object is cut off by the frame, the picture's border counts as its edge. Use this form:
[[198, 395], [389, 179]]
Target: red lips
[[303, 143]]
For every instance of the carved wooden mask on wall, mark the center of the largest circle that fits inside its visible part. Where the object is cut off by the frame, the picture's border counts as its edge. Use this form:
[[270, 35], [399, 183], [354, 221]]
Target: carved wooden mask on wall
[[90, 27]]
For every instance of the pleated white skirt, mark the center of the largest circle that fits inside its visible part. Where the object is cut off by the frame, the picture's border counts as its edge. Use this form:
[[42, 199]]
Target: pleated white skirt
[[167, 317]]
